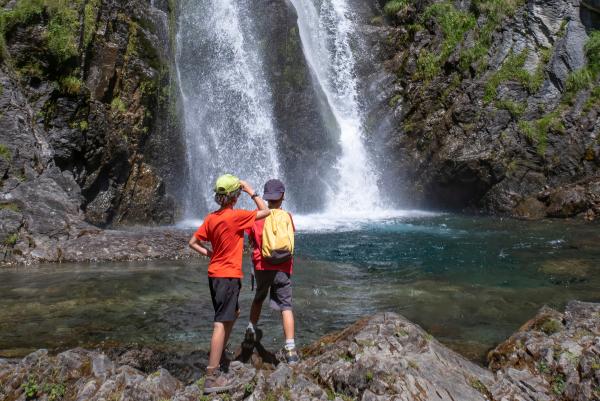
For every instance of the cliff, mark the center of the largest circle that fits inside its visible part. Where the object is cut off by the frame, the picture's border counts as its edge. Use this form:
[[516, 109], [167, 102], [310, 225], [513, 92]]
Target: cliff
[[496, 105], [89, 132]]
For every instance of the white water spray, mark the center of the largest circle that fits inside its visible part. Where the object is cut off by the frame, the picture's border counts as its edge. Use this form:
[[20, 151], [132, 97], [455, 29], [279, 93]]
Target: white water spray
[[227, 101], [326, 30]]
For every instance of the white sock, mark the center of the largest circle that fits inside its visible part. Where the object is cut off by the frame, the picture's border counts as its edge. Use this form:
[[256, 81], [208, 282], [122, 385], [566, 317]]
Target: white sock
[[290, 344], [251, 327]]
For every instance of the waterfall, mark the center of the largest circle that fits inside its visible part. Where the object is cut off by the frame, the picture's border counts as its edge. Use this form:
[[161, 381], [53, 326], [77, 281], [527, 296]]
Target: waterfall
[[226, 99], [326, 30]]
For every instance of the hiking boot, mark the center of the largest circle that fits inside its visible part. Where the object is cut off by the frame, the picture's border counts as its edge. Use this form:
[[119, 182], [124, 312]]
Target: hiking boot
[[217, 382], [291, 356]]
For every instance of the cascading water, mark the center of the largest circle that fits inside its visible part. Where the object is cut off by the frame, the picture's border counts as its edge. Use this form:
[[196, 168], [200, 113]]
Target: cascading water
[[326, 30], [226, 99]]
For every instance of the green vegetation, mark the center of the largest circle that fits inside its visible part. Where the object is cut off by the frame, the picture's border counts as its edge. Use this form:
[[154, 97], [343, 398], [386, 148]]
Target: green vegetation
[[511, 69], [11, 240], [30, 387], [369, 376], [516, 109], [558, 384], [479, 386], [543, 368], [494, 11], [394, 100], [583, 78], [392, 7], [593, 100], [71, 85], [551, 326], [118, 105], [62, 30], [10, 206], [454, 24], [83, 125], [90, 14], [248, 388], [5, 153], [538, 131], [55, 391]]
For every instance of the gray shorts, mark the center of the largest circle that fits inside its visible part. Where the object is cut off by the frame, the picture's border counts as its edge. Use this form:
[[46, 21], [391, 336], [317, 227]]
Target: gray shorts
[[280, 287]]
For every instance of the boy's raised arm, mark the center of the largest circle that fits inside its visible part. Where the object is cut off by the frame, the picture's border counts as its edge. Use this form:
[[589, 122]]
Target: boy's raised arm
[[263, 210]]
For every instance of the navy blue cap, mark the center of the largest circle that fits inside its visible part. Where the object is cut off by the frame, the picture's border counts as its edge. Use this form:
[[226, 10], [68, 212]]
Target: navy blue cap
[[274, 190]]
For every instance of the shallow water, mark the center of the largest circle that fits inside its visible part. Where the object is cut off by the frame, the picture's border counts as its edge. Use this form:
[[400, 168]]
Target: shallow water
[[471, 282]]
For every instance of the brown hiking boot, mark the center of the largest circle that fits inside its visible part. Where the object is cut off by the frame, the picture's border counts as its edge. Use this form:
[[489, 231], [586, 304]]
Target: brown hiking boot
[[218, 381]]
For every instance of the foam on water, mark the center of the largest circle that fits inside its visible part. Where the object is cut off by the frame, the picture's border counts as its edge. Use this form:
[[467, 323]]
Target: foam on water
[[340, 222]]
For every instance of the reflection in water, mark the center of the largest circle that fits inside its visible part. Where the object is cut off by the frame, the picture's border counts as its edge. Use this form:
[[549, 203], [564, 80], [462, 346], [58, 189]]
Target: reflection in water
[[470, 282]]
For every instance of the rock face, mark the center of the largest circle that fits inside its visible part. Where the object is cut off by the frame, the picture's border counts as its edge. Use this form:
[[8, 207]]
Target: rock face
[[88, 128], [385, 357], [558, 354], [497, 106]]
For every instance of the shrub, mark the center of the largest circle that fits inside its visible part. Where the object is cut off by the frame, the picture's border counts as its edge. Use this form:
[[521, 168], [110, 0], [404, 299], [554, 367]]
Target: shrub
[[551, 326], [71, 85]]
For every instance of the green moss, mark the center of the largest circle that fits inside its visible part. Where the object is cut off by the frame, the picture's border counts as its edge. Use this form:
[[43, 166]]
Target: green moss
[[90, 16], [118, 105], [516, 109], [392, 7], [394, 100], [10, 206], [5, 153], [71, 85], [83, 125], [479, 386], [551, 326]]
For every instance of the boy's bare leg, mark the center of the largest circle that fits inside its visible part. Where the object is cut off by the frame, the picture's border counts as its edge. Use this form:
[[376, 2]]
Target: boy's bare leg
[[228, 328], [287, 317], [255, 310], [217, 343]]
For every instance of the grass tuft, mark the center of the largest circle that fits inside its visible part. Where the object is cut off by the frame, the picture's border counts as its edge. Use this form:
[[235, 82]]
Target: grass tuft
[[392, 7], [5, 153], [71, 85]]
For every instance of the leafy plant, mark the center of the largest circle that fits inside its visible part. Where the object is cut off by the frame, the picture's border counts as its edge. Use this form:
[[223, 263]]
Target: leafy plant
[[55, 391], [543, 367], [30, 387]]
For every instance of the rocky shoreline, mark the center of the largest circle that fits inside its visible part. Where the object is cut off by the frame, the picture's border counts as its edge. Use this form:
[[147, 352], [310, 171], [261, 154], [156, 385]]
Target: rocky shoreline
[[554, 356]]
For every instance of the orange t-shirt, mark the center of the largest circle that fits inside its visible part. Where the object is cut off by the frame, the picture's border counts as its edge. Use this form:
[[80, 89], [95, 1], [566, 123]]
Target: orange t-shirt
[[225, 231]]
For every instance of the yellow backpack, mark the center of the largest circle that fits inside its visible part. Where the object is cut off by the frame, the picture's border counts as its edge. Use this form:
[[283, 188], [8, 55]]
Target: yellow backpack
[[278, 237]]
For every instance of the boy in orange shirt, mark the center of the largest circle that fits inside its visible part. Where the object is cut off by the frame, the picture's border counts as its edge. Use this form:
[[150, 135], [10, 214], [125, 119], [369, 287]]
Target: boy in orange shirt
[[224, 229]]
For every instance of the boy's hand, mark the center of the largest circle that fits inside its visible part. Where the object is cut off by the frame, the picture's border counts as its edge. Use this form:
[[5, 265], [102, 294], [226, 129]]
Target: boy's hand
[[246, 187]]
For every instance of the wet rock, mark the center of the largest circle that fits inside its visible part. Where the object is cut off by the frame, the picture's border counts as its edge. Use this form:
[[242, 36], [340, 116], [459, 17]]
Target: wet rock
[[530, 209], [568, 202], [381, 358]]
